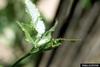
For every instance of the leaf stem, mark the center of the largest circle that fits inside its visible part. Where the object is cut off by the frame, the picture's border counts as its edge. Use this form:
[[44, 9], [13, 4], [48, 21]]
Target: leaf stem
[[18, 61]]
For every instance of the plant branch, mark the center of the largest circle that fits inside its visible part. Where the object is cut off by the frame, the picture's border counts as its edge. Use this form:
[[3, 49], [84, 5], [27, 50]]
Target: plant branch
[[18, 61]]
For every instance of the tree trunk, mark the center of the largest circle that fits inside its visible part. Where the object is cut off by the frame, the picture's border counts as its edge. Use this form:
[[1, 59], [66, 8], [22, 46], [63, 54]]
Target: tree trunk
[[75, 22]]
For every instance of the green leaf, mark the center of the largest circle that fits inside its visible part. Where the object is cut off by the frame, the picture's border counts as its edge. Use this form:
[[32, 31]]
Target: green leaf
[[35, 30], [27, 34]]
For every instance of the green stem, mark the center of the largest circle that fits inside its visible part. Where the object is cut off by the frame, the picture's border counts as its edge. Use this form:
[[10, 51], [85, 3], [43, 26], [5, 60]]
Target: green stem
[[18, 61]]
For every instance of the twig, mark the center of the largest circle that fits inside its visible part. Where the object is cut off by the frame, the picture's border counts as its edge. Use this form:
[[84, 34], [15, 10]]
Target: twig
[[18, 61]]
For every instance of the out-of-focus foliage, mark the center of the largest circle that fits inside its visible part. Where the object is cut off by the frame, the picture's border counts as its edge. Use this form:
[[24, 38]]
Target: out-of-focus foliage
[[1, 66], [86, 3], [10, 34]]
